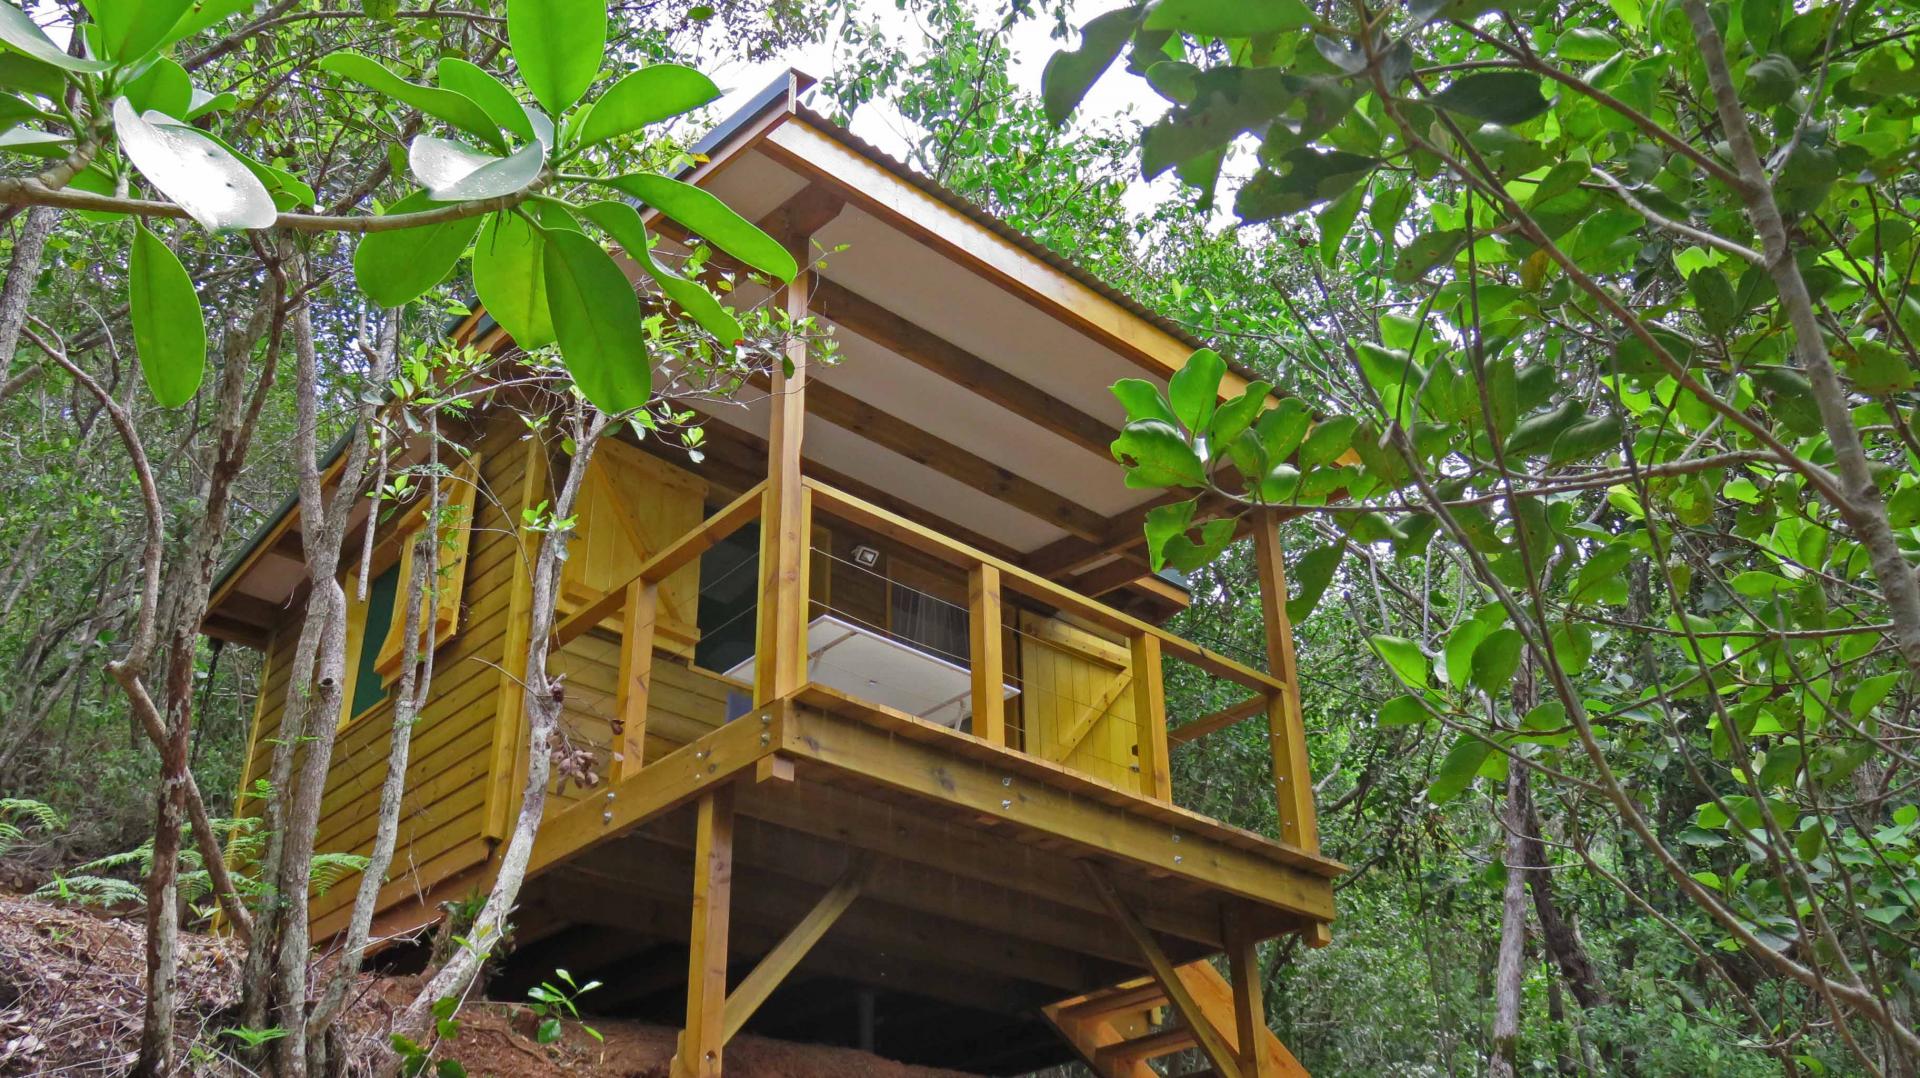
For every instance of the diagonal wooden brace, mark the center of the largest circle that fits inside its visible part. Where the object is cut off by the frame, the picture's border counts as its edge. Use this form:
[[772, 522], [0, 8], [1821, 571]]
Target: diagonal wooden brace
[[779, 962], [1220, 1052]]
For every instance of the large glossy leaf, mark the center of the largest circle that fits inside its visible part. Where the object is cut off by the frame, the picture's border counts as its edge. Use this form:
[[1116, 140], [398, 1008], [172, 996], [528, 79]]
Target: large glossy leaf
[[596, 317], [34, 143], [623, 223], [21, 72], [1494, 97], [455, 108], [1143, 400], [455, 172], [1495, 660], [198, 174], [1070, 73], [164, 88], [204, 15], [397, 266], [1458, 768], [129, 29], [1403, 657], [23, 35], [288, 191], [509, 273], [1229, 18], [489, 93], [169, 329], [15, 110], [703, 213], [1309, 579], [1311, 177], [1194, 389], [1157, 456], [647, 96], [558, 46]]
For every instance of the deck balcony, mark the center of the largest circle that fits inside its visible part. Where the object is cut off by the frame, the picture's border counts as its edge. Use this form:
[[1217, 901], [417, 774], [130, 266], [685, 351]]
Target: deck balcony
[[954, 814]]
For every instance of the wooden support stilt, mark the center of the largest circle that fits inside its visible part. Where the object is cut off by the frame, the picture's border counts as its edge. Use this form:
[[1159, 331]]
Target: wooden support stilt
[[1249, 998], [1226, 1062], [779, 962], [1150, 717], [705, 1034]]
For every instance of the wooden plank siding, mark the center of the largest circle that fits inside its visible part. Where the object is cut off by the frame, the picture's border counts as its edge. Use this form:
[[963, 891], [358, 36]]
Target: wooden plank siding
[[442, 817]]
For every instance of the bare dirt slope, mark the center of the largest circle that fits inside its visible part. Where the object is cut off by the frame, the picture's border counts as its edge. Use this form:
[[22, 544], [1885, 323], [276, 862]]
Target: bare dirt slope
[[71, 993]]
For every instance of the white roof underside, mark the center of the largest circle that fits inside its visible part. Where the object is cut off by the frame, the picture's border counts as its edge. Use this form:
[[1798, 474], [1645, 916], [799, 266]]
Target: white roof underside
[[879, 262]]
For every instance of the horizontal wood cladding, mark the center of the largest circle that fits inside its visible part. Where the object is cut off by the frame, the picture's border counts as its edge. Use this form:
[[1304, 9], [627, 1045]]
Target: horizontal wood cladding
[[442, 818]]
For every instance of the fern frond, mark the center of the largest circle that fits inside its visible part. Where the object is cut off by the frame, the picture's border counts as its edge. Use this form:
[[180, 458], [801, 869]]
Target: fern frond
[[91, 891], [330, 868]]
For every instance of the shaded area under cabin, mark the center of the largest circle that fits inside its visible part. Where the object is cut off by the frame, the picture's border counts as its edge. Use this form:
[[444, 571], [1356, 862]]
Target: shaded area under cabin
[[865, 706]]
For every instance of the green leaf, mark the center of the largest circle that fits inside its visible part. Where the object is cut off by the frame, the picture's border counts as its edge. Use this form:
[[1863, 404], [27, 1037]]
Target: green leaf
[[1403, 657], [198, 174], [1143, 400], [455, 108], [21, 72], [454, 172], [1457, 770], [396, 267], [1311, 177], [169, 328], [1404, 711], [163, 87], [1281, 428], [204, 15], [596, 317], [1495, 660], [1328, 441], [647, 96], [23, 35], [492, 95], [700, 211], [35, 143], [1194, 389], [1309, 580], [1156, 455], [1714, 295], [623, 223], [1336, 220], [1070, 73], [548, 1031], [1426, 252], [288, 191], [129, 29], [1494, 97], [1229, 18], [509, 273], [1588, 438], [1771, 80], [1869, 694], [1236, 415], [558, 46], [1585, 44]]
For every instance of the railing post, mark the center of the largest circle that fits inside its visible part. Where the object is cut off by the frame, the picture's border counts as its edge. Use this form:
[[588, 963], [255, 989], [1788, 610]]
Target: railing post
[[1150, 716], [989, 664], [1286, 733], [636, 679]]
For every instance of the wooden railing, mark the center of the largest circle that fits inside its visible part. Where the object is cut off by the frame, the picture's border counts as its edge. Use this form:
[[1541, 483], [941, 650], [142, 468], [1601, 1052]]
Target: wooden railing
[[1148, 644], [988, 580]]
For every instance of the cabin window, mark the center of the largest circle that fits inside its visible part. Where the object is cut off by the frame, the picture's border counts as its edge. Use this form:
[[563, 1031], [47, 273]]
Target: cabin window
[[729, 596], [368, 688], [456, 531]]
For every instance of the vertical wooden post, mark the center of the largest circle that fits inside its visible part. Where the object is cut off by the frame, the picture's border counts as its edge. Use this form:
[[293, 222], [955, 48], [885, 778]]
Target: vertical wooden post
[[1150, 717], [989, 664], [1286, 733], [786, 526], [1249, 994], [705, 1034], [636, 679]]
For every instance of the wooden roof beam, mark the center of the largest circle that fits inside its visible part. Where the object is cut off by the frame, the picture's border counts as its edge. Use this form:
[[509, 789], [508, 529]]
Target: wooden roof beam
[[889, 431], [961, 367]]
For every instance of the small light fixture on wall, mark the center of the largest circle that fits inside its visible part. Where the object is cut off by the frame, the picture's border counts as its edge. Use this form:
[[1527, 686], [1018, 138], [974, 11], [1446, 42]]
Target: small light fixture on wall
[[865, 556]]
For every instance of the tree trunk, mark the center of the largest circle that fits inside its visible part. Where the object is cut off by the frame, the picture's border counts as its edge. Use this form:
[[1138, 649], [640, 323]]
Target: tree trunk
[[1510, 968]]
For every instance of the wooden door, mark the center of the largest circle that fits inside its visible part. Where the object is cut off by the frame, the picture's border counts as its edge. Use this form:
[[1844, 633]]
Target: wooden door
[[1075, 704]]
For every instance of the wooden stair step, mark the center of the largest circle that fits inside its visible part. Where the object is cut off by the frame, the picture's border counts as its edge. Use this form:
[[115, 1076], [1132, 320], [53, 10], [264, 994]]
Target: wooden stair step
[[1131, 996], [1151, 1046]]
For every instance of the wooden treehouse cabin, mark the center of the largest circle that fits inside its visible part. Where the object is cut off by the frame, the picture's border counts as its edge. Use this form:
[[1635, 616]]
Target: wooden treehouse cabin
[[874, 693]]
